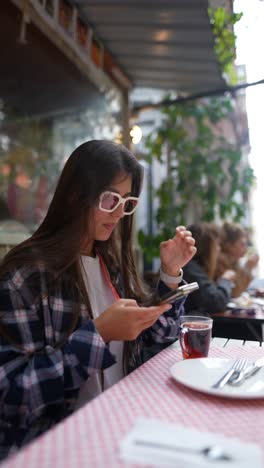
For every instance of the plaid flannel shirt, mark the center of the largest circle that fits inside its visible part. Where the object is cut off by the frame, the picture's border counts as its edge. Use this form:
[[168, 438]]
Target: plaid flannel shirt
[[39, 379]]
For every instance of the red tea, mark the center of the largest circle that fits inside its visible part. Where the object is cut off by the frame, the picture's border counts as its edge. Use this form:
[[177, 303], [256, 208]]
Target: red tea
[[195, 339]]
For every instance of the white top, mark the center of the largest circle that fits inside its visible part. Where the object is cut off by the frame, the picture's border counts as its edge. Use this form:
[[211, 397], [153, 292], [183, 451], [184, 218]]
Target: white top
[[101, 297]]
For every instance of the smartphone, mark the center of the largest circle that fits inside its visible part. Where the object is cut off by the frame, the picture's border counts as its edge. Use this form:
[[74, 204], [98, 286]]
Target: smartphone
[[182, 291]]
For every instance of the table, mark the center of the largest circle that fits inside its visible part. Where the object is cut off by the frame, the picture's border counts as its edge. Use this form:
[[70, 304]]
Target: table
[[91, 436], [242, 317]]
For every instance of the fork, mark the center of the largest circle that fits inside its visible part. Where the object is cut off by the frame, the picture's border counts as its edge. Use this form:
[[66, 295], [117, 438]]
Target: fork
[[246, 373], [237, 367]]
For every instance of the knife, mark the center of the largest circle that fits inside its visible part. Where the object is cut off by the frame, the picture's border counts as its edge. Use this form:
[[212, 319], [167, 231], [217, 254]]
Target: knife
[[227, 376], [248, 372]]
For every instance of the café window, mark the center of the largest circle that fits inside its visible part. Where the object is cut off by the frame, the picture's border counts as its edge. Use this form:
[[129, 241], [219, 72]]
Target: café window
[[33, 152]]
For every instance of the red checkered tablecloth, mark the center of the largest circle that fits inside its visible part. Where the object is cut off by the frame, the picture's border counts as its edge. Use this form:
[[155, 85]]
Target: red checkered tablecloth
[[91, 436]]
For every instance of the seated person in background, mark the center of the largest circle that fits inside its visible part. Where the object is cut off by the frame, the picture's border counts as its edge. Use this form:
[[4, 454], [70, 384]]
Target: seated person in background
[[233, 242], [212, 296]]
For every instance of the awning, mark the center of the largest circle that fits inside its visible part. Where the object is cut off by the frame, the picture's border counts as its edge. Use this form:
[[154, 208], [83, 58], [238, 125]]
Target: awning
[[164, 44], [36, 77]]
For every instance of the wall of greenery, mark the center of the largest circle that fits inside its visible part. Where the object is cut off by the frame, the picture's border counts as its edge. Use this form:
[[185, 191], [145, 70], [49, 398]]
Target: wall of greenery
[[208, 177]]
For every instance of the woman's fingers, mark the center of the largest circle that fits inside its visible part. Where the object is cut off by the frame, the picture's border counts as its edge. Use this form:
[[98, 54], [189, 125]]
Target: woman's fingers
[[184, 234], [180, 228], [128, 302], [147, 320], [125, 320], [189, 240], [145, 315]]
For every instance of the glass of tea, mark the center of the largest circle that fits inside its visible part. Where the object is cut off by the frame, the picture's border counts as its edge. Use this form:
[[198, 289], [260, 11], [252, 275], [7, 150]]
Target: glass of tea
[[195, 336]]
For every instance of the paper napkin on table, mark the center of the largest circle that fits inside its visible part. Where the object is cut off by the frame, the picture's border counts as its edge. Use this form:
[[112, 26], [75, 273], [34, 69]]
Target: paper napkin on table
[[154, 431]]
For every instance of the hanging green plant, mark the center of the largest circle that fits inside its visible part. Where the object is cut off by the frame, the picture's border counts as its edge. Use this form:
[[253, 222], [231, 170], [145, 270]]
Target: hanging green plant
[[203, 180], [223, 23]]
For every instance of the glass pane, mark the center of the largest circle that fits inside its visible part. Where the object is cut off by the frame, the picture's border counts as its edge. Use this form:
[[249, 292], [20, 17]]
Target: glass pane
[[32, 154]]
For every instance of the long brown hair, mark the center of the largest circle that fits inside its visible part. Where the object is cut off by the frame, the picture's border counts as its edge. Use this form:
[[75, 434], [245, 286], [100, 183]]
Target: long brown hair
[[206, 237], [58, 242]]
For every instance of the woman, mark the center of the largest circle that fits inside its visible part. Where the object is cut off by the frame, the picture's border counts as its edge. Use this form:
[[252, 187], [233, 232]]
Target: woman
[[71, 302], [233, 247], [211, 296]]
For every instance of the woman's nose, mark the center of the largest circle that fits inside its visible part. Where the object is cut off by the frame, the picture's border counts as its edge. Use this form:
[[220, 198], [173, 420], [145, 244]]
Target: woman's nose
[[119, 211]]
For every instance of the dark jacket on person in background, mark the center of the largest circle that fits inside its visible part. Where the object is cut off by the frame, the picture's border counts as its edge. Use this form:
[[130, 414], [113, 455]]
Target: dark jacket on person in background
[[211, 296]]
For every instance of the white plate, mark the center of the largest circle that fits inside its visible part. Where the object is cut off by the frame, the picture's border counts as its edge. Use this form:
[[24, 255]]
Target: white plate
[[201, 374], [234, 305], [259, 301]]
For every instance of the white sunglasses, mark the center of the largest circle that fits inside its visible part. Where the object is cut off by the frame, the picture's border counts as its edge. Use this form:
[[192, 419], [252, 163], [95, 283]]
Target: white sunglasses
[[109, 201]]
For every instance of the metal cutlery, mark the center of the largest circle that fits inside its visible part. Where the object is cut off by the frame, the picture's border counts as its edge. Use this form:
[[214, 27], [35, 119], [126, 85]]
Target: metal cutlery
[[248, 372], [237, 367], [212, 452]]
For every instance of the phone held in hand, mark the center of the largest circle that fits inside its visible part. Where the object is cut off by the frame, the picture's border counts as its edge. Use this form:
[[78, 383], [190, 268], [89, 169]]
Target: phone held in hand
[[182, 291]]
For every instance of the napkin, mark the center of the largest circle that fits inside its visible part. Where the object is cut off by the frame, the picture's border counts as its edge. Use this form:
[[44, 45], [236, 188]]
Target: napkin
[[155, 431]]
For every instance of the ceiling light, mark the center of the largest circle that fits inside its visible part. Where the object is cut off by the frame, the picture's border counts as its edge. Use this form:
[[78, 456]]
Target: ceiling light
[[136, 134]]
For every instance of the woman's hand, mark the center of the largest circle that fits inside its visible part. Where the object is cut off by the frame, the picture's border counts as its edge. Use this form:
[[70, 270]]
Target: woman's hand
[[229, 275], [252, 262], [176, 252], [125, 320]]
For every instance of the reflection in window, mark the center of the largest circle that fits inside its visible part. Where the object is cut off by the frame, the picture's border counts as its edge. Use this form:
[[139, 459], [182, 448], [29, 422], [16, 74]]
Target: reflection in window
[[33, 152]]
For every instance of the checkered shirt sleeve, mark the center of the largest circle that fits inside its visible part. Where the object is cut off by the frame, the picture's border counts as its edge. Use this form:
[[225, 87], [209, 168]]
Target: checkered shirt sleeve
[[37, 378]]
